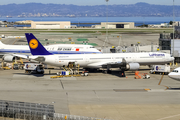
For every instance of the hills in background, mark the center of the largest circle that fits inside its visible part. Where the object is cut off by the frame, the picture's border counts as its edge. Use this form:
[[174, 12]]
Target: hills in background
[[52, 10]]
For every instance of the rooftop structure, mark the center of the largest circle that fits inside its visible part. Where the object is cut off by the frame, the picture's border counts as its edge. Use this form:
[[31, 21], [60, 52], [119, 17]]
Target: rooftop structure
[[50, 24]]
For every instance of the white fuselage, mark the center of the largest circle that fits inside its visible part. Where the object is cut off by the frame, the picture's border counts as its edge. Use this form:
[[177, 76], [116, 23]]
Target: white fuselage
[[97, 60], [175, 74], [55, 49]]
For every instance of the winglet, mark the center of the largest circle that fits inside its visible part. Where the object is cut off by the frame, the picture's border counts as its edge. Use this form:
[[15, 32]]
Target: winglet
[[35, 46]]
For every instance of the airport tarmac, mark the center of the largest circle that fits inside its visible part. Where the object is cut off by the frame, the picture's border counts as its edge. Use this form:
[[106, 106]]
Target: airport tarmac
[[98, 39], [97, 95]]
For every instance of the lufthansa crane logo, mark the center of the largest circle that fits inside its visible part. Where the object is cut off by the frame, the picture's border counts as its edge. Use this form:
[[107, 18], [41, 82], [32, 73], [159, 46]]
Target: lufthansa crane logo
[[33, 44]]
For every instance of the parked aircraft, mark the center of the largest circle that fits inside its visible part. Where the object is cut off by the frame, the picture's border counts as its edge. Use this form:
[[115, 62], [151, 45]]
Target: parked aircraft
[[8, 50], [55, 49], [175, 74], [124, 61]]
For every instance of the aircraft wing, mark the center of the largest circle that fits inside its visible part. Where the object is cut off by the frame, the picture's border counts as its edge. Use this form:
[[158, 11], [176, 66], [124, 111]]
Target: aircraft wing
[[38, 58], [122, 64], [109, 64], [31, 58], [21, 56]]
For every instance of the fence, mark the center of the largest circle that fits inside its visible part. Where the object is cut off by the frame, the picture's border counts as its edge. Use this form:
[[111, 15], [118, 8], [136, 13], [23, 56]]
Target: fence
[[34, 111], [58, 116], [24, 110]]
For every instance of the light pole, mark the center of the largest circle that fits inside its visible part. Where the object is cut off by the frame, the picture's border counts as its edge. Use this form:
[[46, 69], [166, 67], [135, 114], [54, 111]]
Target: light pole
[[106, 24]]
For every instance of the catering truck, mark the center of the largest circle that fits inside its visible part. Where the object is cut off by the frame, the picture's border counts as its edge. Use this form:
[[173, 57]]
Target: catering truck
[[33, 68], [161, 69]]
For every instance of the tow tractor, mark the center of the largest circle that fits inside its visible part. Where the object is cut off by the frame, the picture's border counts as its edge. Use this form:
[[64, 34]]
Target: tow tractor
[[84, 73], [146, 76]]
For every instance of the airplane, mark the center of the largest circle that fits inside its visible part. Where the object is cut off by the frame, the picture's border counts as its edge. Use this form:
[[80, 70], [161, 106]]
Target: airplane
[[175, 74], [10, 51], [124, 61], [55, 49]]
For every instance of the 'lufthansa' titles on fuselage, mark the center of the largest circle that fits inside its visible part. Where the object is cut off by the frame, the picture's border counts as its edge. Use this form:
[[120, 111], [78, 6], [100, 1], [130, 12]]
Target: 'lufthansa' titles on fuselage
[[156, 55]]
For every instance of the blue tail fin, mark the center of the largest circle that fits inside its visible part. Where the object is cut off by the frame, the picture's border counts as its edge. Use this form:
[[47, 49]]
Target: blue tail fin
[[35, 46]]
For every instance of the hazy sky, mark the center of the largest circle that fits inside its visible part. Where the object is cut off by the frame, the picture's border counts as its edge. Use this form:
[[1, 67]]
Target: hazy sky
[[92, 2]]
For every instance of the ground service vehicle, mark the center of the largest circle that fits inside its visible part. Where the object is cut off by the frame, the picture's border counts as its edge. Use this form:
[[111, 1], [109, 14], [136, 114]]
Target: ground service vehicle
[[33, 68], [161, 69], [146, 76]]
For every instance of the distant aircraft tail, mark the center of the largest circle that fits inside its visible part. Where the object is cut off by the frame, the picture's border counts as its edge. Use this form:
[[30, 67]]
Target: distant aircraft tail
[[35, 46]]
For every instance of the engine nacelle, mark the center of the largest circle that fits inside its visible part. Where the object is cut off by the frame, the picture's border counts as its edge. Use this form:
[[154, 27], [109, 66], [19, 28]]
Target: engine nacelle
[[8, 58], [132, 66]]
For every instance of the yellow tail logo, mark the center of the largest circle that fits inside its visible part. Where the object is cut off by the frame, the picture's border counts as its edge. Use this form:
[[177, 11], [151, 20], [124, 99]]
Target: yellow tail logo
[[33, 44]]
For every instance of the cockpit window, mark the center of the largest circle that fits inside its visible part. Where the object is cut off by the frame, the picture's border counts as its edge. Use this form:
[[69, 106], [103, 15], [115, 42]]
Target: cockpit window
[[176, 71]]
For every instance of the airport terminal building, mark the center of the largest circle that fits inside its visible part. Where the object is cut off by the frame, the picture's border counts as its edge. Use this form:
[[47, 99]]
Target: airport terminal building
[[67, 24], [166, 42], [115, 25], [50, 24]]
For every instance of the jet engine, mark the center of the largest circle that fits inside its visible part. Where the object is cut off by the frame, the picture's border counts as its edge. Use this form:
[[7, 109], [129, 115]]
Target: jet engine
[[8, 58], [130, 66]]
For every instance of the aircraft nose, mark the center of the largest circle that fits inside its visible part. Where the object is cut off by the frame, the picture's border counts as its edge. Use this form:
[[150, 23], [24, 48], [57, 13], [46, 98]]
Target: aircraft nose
[[170, 75]]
